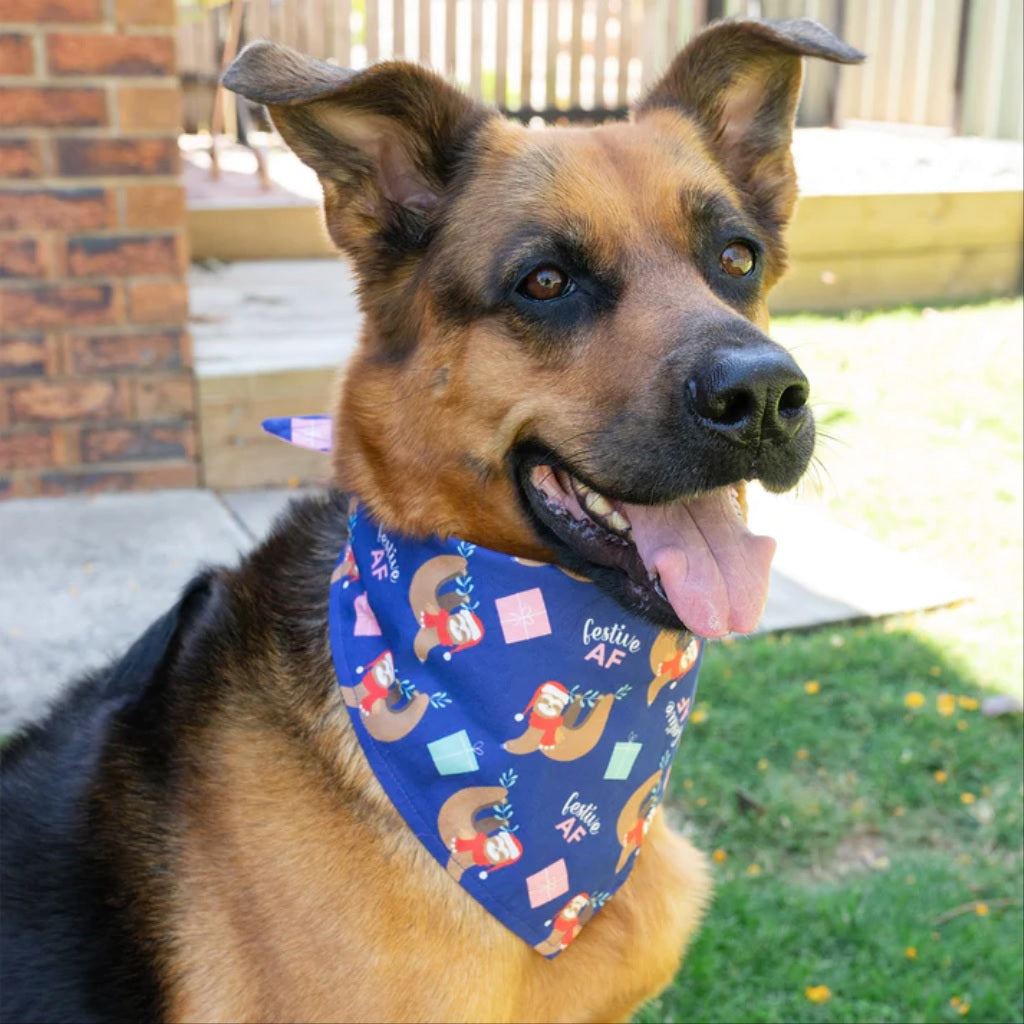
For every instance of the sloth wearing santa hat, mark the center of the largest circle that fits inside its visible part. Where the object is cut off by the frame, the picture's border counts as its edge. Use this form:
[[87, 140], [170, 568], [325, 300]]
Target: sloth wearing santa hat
[[455, 630], [489, 852], [546, 710]]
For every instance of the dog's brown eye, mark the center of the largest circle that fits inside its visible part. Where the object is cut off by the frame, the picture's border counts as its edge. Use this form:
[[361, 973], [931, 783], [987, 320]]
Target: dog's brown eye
[[545, 282], [737, 259]]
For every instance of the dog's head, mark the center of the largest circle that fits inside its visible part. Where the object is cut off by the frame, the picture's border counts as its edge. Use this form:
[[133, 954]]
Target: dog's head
[[563, 350]]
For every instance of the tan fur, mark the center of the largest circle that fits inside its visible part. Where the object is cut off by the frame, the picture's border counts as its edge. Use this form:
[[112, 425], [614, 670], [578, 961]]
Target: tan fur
[[328, 870]]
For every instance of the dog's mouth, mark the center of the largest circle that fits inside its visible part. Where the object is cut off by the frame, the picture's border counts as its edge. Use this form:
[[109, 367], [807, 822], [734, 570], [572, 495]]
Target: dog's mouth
[[689, 563]]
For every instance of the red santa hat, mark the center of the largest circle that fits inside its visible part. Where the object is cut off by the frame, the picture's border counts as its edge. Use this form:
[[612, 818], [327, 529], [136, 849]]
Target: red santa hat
[[551, 688]]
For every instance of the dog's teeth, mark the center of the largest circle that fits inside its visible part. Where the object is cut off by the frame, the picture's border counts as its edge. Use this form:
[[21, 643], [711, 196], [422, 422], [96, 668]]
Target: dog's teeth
[[734, 501], [598, 504], [618, 522]]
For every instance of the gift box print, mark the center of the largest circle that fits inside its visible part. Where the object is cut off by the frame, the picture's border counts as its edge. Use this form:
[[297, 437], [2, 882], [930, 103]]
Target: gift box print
[[548, 884], [454, 754], [523, 616], [620, 764]]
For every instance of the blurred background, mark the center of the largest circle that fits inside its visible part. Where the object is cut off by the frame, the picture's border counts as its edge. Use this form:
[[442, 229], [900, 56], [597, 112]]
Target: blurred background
[[854, 769]]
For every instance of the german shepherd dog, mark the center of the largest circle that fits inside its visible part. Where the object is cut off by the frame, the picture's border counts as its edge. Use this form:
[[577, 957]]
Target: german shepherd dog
[[563, 358]]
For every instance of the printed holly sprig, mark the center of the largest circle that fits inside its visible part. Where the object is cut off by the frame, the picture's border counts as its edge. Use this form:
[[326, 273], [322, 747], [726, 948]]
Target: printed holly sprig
[[588, 698], [599, 899], [622, 691], [504, 813], [508, 778], [464, 583], [439, 700]]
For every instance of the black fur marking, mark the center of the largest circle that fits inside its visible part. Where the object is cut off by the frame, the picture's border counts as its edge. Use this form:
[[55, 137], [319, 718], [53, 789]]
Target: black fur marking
[[71, 951], [714, 223]]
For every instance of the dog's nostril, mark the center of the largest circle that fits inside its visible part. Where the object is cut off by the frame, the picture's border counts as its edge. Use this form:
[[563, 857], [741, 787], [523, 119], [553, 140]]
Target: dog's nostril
[[732, 408], [793, 400]]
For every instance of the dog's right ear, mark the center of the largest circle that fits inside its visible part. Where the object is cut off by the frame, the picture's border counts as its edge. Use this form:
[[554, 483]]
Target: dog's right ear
[[385, 141]]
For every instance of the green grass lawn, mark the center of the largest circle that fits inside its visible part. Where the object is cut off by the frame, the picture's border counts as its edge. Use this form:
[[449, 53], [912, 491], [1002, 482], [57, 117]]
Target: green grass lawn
[[864, 816]]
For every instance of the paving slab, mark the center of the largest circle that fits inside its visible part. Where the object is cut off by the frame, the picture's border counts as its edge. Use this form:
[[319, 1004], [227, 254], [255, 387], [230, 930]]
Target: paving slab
[[825, 573], [256, 509], [84, 576]]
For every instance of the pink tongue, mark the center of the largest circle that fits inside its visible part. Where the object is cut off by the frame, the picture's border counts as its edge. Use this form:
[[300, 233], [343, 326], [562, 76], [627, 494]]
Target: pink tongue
[[713, 569]]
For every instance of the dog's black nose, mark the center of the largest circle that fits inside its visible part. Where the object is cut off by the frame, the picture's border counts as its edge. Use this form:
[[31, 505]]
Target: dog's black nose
[[750, 394]]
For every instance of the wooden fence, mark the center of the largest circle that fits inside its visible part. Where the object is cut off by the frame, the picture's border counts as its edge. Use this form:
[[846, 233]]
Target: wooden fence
[[947, 64]]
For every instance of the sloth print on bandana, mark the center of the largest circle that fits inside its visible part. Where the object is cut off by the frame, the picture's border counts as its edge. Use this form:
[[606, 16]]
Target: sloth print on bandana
[[522, 722]]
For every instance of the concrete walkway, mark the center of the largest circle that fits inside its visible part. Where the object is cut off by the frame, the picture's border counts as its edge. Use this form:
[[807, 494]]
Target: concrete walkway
[[83, 576]]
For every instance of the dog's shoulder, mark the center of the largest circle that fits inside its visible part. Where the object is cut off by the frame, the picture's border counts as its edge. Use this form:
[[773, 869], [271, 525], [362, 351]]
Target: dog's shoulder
[[55, 889], [65, 918]]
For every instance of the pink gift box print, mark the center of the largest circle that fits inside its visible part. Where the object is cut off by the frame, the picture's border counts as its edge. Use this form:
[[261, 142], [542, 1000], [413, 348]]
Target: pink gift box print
[[366, 621], [548, 884], [523, 616]]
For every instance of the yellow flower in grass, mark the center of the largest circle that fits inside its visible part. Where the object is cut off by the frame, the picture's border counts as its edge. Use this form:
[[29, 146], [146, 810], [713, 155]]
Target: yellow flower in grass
[[910, 952], [818, 993], [968, 703], [946, 704], [698, 716], [961, 1006], [802, 754], [719, 856], [762, 765], [981, 909], [753, 869], [812, 686], [914, 699], [941, 776], [967, 798]]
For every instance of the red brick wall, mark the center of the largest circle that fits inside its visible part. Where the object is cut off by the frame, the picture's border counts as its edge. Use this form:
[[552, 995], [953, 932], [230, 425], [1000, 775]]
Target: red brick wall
[[96, 385]]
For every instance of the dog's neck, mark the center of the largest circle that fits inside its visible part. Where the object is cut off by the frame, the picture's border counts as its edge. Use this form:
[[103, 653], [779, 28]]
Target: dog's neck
[[521, 721]]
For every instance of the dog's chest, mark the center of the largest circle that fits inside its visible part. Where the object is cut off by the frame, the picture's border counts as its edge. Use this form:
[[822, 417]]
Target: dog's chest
[[521, 722]]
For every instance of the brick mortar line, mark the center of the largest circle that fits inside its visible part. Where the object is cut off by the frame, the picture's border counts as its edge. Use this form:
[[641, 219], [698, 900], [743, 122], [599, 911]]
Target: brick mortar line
[[25, 234], [70, 80], [109, 26], [57, 183], [97, 133], [93, 280], [25, 428], [94, 180], [133, 326]]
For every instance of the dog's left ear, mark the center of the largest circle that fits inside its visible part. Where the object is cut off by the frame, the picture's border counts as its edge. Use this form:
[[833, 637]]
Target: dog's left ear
[[740, 81], [385, 141]]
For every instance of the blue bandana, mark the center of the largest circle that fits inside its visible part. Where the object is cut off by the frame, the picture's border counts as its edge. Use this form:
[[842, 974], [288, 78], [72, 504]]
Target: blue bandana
[[521, 721]]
